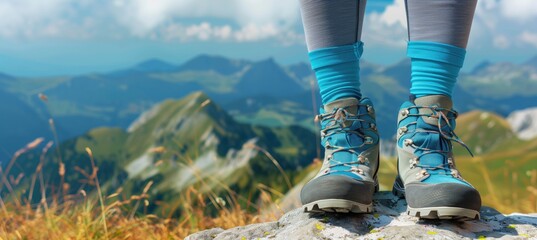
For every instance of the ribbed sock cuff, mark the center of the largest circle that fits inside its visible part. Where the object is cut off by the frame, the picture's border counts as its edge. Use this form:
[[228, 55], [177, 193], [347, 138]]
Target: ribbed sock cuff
[[435, 67], [337, 71], [335, 55]]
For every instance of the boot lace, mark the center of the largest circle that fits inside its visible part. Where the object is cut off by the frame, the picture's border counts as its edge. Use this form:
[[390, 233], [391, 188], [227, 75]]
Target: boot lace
[[335, 124], [447, 137]]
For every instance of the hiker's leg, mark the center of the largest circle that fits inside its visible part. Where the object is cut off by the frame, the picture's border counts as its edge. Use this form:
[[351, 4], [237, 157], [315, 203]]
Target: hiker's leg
[[347, 178], [438, 33], [333, 31]]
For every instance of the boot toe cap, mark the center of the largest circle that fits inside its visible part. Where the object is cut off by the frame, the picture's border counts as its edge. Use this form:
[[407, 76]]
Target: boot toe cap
[[421, 195], [337, 187]]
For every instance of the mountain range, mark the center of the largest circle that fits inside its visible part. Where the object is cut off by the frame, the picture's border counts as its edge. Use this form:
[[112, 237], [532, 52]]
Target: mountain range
[[256, 92]]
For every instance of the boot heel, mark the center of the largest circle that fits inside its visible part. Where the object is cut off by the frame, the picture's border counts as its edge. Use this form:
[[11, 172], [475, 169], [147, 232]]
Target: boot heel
[[398, 187], [377, 186]]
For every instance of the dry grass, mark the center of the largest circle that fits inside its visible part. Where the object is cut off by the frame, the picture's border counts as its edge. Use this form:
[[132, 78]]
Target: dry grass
[[91, 220], [95, 216]]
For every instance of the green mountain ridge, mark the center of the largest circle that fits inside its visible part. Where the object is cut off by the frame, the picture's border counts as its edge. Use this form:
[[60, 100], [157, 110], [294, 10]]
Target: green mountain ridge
[[179, 144]]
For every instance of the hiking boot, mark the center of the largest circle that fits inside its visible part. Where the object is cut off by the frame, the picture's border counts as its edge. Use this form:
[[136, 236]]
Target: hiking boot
[[428, 177], [348, 177]]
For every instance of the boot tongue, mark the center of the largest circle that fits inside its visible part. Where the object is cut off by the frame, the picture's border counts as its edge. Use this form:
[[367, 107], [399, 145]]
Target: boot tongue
[[349, 104], [432, 140], [441, 101]]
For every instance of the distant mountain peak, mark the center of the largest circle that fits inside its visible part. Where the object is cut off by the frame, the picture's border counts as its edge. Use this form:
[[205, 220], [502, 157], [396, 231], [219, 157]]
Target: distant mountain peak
[[4, 78], [481, 66], [194, 103], [198, 96], [263, 77], [215, 63], [154, 64], [267, 61]]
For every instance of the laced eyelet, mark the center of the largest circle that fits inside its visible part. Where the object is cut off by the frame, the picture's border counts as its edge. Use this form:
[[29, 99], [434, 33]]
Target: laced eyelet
[[408, 142], [373, 126], [455, 174], [368, 140], [328, 158], [404, 112], [370, 109], [363, 160], [403, 130], [413, 162], [326, 171], [450, 162], [421, 174], [357, 170]]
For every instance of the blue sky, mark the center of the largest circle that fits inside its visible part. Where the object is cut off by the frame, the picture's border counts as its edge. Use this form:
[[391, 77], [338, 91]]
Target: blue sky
[[59, 37]]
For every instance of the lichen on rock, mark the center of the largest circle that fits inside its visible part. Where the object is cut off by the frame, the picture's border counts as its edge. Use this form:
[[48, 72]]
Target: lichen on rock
[[389, 221]]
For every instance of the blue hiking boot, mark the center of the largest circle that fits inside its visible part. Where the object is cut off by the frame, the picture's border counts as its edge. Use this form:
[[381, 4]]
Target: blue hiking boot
[[428, 177], [348, 177]]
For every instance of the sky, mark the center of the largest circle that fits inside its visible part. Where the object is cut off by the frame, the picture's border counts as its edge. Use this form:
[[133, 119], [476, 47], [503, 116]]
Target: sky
[[65, 37]]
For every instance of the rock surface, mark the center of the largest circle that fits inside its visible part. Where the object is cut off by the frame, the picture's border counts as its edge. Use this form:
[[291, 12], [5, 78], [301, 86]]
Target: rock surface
[[389, 221]]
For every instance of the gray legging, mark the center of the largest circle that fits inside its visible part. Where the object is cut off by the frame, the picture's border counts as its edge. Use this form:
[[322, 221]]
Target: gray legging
[[339, 22]]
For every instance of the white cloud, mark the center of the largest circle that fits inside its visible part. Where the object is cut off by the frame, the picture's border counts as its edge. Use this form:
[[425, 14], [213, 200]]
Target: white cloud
[[253, 20], [394, 14], [252, 32], [26, 18], [206, 31], [185, 20], [504, 24], [386, 28], [500, 24], [520, 10], [529, 37], [501, 42]]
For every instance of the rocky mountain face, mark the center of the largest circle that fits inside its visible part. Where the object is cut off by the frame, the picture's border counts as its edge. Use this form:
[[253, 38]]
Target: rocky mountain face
[[389, 221], [524, 123], [179, 144]]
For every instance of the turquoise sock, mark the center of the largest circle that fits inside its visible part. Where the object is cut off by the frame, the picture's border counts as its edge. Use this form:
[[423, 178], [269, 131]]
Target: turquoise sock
[[337, 71], [435, 67]]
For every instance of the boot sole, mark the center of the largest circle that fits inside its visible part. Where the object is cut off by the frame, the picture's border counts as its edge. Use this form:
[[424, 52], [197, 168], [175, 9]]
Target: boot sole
[[342, 205], [441, 212], [338, 206], [451, 213]]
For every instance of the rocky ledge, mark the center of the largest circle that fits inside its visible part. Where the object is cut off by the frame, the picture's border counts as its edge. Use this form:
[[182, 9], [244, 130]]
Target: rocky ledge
[[389, 221]]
